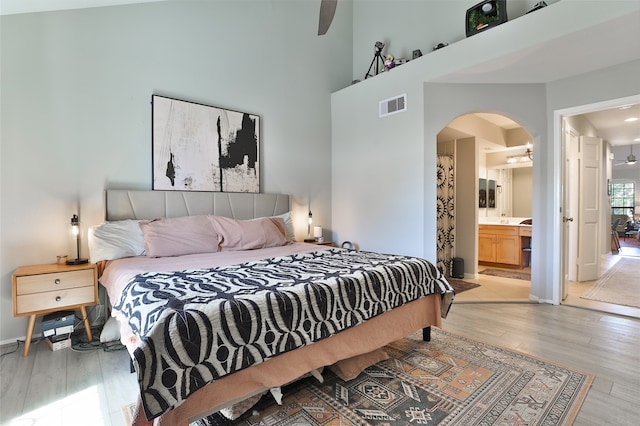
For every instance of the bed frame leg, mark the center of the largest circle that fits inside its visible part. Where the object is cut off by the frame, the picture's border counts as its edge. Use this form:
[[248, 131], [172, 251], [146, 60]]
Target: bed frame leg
[[426, 334]]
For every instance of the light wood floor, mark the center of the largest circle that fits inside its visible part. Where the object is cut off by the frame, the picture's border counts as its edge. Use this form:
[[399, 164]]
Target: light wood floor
[[603, 344], [497, 289], [90, 388]]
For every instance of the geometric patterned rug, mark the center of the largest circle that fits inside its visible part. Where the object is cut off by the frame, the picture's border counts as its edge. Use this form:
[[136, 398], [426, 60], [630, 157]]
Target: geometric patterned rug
[[451, 380]]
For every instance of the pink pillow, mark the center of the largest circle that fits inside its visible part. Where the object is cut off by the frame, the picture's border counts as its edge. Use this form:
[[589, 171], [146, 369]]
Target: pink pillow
[[179, 235], [236, 234]]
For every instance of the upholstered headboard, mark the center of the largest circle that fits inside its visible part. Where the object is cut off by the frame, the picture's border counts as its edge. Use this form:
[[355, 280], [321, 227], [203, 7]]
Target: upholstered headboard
[[125, 204]]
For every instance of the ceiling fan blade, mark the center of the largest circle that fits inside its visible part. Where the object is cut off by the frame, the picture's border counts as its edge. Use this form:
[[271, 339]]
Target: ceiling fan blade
[[327, 11]]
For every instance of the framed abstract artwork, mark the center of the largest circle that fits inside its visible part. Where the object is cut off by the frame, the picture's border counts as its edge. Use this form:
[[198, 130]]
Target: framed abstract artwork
[[482, 193], [198, 147], [491, 194]]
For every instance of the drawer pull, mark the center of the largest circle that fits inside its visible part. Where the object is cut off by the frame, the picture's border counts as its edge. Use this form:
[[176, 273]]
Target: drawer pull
[[57, 281], [58, 298]]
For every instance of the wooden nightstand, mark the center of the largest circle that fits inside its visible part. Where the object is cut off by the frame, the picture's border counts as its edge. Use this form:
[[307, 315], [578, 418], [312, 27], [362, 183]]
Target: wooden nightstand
[[324, 243], [41, 289]]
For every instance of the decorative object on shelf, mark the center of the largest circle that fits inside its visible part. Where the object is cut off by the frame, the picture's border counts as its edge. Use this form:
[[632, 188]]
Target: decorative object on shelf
[[389, 62], [317, 234], [62, 259], [309, 238], [204, 148], [377, 60], [485, 15], [417, 53], [75, 230], [440, 46]]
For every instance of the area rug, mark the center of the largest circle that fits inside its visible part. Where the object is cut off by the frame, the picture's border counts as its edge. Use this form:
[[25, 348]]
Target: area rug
[[619, 285], [459, 285], [451, 380], [505, 273]]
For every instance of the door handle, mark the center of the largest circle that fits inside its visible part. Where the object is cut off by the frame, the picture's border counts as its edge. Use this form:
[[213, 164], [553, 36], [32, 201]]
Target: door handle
[[567, 219]]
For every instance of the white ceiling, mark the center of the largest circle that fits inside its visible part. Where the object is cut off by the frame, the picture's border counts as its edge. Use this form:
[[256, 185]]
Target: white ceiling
[[11, 7], [610, 124]]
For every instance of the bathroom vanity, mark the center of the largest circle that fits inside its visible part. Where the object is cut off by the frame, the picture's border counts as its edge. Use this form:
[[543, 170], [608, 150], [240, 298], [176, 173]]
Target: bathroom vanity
[[502, 243]]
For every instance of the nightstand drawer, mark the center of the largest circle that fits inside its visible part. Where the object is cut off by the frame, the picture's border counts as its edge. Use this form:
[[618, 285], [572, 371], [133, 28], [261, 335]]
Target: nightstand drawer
[[30, 284], [36, 302]]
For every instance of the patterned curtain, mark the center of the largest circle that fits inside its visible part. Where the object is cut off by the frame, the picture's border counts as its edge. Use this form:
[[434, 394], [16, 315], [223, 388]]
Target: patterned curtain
[[446, 214]]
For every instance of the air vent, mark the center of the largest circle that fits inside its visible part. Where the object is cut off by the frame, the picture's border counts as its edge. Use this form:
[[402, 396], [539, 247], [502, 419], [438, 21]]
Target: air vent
[[393, 105]]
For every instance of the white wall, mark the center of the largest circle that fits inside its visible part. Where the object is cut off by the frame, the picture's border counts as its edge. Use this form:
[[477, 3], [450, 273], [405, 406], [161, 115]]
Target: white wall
[[76, 117], [522, 190], [467, 186], [378, 169]]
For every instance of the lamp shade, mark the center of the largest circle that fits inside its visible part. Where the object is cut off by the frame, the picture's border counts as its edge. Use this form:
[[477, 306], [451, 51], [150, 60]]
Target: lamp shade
[[317, 231]]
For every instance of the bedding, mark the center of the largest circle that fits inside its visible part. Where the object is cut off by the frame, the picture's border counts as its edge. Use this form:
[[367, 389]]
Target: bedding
[[349, 350], [248, 308], [177, 236]]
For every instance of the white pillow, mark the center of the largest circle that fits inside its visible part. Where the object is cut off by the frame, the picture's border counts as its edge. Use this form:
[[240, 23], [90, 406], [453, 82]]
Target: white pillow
[[114, 240], [288, 224]]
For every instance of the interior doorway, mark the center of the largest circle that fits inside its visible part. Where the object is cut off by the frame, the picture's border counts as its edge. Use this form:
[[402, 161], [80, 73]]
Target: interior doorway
[[577, 124], [493, 158]]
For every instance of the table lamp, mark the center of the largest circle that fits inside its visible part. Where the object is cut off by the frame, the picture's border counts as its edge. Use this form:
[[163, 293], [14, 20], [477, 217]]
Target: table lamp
[[75, 230]]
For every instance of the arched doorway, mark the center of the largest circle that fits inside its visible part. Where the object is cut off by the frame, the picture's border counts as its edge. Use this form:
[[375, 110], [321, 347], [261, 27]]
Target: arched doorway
[[484, 193]]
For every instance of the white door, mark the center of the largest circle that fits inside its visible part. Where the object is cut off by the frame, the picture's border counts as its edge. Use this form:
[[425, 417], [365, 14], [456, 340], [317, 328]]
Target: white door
[[589, 206], [570, 197]]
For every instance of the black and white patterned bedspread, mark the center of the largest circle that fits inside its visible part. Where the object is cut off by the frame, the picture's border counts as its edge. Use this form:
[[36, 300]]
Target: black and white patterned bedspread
[[199, 325]]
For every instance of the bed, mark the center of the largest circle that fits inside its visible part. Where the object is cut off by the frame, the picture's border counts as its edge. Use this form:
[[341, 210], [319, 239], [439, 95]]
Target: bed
[[217, 304]]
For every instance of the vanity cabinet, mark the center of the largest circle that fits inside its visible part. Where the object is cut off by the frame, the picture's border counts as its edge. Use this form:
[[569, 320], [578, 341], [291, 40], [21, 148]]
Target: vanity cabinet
[[499, 244]]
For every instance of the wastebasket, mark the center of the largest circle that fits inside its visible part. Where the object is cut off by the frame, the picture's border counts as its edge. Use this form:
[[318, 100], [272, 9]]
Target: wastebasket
[[457, 269]]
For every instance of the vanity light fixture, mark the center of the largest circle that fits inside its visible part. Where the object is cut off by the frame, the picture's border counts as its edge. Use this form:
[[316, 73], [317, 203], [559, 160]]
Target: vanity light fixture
[[75, 230], [527, 156], [529, 151]]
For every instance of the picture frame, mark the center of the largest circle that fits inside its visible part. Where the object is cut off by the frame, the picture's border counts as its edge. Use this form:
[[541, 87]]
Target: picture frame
[[197, 147], [491, 194], [482, 193]]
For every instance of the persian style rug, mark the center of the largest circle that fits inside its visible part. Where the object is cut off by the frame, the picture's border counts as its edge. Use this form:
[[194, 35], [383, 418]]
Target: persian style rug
[[450, 380], [459, 285], [505, 273], [619, 285]]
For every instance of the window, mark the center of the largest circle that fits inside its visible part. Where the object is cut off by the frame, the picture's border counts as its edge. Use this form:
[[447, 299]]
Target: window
[[623, 197]]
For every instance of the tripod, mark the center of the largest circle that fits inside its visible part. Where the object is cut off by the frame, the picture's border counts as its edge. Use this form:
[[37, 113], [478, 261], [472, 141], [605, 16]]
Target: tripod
[[378, 60]]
